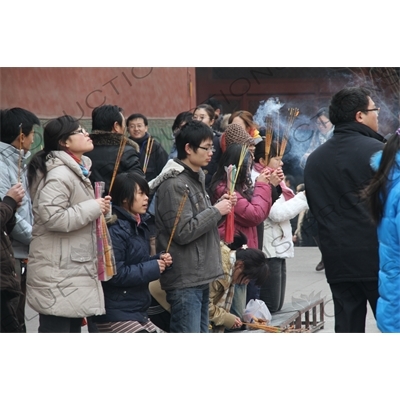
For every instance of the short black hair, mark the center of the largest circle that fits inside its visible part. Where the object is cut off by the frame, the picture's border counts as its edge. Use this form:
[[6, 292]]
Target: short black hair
[[125, 187], [181, 119], [192, 133], [214, 103], [346, 103], [104, 117], [259, 151], [11, 120], [136, 116]]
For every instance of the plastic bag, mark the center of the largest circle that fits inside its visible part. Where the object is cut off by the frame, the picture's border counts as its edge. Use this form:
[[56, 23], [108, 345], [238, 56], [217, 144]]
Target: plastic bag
[[257, 308]]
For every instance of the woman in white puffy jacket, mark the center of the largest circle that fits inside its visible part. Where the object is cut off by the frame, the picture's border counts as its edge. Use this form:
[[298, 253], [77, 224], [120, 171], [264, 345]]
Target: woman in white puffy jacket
[[277, 241]]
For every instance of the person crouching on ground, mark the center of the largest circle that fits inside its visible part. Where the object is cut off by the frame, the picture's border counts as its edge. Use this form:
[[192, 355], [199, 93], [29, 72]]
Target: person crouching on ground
[[240, 264]]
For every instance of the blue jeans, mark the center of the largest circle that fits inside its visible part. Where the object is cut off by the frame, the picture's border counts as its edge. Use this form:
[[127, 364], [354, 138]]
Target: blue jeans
[[189, 309]]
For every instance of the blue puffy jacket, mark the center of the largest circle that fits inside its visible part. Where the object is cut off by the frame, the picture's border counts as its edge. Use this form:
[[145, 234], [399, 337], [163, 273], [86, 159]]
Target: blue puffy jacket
[[388, 306], [127, 295]]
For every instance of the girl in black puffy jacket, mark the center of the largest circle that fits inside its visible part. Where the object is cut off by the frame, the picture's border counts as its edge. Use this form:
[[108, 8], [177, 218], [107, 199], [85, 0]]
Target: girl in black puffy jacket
[[127, 296]]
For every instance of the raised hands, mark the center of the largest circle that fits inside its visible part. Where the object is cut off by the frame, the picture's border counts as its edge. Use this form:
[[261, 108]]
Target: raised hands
[[277, 176]]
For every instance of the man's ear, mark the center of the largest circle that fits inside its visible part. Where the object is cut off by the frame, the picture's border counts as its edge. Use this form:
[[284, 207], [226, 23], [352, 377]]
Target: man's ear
[[188, 149], [360, 117], [116, 126]]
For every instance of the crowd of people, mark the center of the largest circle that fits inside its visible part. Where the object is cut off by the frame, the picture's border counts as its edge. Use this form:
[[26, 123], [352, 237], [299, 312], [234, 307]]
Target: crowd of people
[[189, 244]]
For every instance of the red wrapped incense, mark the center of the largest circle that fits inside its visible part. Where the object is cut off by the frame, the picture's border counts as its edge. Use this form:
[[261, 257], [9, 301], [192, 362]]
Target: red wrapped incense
[[230, 227]]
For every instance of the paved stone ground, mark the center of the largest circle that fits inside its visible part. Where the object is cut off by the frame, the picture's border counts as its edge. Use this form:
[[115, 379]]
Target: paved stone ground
[[303, 283]]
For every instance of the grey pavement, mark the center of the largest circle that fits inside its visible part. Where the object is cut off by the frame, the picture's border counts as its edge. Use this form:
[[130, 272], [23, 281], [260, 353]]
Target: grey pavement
[[303, 282]]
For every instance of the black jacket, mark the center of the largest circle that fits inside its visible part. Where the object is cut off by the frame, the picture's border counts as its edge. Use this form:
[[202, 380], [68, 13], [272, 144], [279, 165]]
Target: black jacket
[[8, 276], [104, 156], [334, 175], [127, 296], [158, 157]]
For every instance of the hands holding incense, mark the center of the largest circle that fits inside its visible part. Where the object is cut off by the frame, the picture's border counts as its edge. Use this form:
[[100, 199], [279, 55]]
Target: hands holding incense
[[277, 176], [164, 262], [225, 203], [237, 324], [16, 192], [105, 204]]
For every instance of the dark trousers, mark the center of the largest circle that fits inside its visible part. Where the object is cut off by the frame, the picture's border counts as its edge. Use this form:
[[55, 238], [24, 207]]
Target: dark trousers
[[53, 324], [272, 292], [9, 318], [253, 291], [350, 304], [19, 302]]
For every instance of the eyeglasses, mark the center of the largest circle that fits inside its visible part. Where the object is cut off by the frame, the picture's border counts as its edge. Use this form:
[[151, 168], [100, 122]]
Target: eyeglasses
[[373, 109], [80, 131], [208, 149], [322, 123]]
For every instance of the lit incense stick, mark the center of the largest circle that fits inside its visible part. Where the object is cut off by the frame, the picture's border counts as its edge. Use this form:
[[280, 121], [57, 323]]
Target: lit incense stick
[[293, 113], [117, 161], [20, 154], [268, 137], [243, 153], [178, 216], [149, 147]]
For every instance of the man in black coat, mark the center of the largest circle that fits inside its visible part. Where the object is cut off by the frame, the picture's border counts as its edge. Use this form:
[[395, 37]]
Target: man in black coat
[[108, 128], [334, 175]]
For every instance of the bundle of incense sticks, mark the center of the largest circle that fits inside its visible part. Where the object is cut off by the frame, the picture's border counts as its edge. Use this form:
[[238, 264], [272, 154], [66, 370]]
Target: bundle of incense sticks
[[293, 113], [266, 328], [149, 146], [20, 154], [124, 139], [268, 137], [177, 218], [243, 153]]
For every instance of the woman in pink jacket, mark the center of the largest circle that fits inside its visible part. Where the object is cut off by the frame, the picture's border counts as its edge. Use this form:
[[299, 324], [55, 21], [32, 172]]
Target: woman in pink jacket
[[253, 202]]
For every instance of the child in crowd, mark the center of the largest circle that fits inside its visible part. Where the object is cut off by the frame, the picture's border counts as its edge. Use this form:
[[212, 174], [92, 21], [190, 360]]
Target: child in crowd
[[127, 295], [277, 239]]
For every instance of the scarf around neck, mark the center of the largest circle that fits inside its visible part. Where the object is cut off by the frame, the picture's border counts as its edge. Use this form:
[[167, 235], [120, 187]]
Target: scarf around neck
[[82, 166]]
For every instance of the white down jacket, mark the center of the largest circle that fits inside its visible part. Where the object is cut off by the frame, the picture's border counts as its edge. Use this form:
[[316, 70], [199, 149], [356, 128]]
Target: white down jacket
[[278, 240], [62, 274]]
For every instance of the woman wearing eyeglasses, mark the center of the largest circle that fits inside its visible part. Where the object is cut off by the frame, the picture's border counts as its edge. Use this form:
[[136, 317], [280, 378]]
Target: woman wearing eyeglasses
[[62, 283]]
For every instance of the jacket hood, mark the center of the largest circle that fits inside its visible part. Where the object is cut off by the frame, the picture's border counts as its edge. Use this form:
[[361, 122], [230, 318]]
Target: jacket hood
[[101, 138], [171, 169], [10, 152]]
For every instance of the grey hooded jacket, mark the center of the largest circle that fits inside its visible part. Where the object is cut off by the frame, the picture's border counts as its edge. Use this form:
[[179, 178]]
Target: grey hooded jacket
[[195, 248]]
